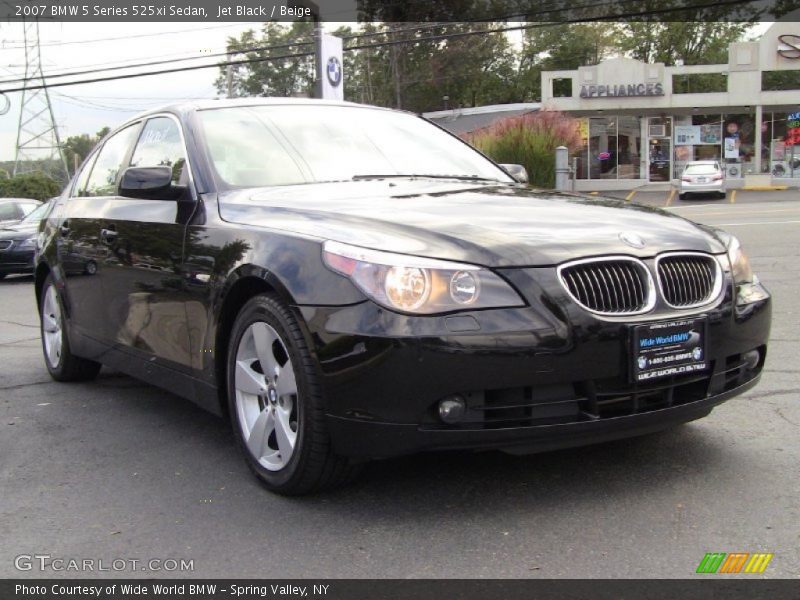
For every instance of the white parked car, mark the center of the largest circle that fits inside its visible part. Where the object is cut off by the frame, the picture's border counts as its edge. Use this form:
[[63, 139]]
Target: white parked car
[[702, 177]]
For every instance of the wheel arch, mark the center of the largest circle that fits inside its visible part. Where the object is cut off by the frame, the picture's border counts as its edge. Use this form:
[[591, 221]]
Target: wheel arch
[[41, 273], [243, 284]]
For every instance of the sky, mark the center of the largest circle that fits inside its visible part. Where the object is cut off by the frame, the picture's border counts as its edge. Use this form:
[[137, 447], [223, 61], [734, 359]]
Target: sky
[[87, 108]]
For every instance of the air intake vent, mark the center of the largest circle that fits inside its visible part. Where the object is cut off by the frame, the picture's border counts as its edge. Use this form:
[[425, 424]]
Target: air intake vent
[[612, 286], [688, 280]]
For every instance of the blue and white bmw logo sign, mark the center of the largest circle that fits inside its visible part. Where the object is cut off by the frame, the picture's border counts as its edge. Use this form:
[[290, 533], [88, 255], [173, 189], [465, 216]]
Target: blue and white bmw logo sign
[[634, 240], [334, 71]]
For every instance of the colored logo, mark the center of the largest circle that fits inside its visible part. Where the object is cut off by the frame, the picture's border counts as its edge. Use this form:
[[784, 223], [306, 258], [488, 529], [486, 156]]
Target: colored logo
[[735, 562], [334, 71]]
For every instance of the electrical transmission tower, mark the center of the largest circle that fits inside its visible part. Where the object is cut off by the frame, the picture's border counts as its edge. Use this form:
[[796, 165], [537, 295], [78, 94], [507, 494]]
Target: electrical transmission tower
[[38, 144]]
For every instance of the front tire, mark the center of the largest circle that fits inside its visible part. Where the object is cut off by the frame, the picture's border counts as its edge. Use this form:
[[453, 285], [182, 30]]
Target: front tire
[[62, 364], [276, 402]]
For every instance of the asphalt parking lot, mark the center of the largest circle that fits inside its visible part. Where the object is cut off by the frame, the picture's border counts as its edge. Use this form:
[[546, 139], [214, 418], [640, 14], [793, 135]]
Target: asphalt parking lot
[[120, 469]]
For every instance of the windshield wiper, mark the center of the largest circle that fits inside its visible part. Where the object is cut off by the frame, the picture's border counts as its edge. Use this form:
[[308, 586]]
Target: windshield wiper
[[423, 176]]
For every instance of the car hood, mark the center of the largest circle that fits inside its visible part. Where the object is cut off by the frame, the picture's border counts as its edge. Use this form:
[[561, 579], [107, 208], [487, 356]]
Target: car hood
[[18, 231], [485, 224]]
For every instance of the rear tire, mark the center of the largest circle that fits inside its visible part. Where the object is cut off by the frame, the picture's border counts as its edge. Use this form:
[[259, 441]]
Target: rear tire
[[62, 364], [276, 402]]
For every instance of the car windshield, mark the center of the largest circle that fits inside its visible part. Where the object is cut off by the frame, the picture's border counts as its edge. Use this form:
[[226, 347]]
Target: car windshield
[[257, 146], [709, 169], [37, 214]]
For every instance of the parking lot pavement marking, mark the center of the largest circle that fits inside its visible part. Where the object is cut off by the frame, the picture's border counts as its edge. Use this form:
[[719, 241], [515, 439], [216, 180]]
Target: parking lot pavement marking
[[733, 197], [756, 223], [743, 211], [630, 196], [670, 197]]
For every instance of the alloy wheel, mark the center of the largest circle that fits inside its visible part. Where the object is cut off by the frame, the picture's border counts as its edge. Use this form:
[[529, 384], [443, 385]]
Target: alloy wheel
[[266, 396], [52, 326]]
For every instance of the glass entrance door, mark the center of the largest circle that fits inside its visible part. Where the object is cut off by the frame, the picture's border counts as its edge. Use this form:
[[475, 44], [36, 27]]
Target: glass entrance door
[[660, 155]]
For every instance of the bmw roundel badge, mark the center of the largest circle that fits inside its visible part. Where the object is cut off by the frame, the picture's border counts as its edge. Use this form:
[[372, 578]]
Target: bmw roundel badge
[[334, 71]]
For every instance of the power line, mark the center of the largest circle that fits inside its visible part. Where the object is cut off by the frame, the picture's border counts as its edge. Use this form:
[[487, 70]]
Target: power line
[[127, 37], [162, 62], [364, 46], [117, 67]]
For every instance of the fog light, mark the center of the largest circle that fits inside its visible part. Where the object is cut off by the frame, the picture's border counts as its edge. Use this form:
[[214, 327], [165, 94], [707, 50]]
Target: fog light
[[751, 359], [452, 409]]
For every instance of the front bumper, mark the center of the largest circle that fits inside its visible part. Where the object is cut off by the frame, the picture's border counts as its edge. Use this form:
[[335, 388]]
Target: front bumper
[[359, 439], [546, 376], [702, 188]]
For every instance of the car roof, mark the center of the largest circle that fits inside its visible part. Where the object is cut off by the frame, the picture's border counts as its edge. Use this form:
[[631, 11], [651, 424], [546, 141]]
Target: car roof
[[701, 162], [198, 105]]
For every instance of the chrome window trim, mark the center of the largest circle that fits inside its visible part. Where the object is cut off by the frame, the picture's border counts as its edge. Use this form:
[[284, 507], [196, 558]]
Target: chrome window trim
[[651, 286]]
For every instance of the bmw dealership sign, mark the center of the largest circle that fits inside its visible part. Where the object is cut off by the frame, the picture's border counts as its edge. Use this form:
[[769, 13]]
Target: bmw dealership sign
[[331, 65]]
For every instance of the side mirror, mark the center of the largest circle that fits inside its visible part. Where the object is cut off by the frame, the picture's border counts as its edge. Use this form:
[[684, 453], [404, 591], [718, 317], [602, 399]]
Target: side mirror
[[150, 183], [518, 172]]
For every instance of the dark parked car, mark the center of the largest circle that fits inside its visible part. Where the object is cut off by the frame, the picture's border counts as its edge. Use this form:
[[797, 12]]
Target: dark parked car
[[350, 283], [18, 242], [13, 210]]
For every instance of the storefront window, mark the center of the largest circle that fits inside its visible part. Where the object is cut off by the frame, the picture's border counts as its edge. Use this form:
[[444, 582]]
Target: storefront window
[[785, 145], [579, 158], [629, 144], [613, 150], [697, 137], [738, 134], [603, 148]]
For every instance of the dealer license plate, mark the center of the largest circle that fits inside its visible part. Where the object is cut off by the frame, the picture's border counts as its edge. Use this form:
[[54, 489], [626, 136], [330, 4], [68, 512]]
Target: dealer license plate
[[669, 348], [702, 180]]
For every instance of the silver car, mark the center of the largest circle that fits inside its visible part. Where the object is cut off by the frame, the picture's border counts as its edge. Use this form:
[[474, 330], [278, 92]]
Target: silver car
[[702, 177]]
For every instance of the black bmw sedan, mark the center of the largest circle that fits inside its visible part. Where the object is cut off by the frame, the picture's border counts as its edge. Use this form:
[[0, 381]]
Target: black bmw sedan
[[349, 283]]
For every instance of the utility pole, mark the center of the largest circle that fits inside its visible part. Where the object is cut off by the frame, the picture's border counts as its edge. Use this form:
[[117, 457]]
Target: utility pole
[[229, 75], [38, 145]]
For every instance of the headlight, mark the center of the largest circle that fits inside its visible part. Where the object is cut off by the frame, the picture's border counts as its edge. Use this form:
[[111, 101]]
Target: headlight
[[748, 289], [28, 244], [740, 265], [415, 284]]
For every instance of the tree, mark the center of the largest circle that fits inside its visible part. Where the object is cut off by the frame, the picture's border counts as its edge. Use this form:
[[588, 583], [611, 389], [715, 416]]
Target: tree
[[77, 147], [562, 47], [529, 140], [281, 77], [29, 185], [695, 42]]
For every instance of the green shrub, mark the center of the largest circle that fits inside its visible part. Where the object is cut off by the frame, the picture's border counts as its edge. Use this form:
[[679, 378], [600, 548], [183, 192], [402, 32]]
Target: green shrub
[[29, 185], [529, 140]]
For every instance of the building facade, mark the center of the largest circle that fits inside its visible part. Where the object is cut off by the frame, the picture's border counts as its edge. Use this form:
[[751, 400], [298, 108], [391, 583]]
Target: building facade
[[641, 123]]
